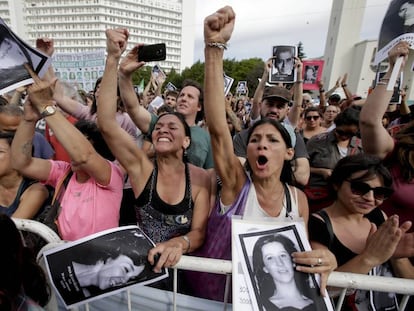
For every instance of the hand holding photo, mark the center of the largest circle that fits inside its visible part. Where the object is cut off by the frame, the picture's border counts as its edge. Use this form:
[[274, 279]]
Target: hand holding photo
[[312, 74], [283, 69], [14, 53], [265, 252], [101, 264]]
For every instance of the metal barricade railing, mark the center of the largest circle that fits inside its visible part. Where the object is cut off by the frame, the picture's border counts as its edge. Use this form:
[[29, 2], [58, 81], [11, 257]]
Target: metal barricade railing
[[342, 280]]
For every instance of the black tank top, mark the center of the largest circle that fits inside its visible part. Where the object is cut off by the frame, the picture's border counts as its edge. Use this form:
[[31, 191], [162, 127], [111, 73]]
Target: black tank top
[[159, 220]]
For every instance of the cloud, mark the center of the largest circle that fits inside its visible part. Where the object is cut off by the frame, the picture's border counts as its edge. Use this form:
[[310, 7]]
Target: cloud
[[261, 24]]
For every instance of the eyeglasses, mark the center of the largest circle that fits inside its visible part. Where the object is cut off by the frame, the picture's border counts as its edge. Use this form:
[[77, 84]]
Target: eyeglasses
[[308, 118], [361, 188], [344, 133]]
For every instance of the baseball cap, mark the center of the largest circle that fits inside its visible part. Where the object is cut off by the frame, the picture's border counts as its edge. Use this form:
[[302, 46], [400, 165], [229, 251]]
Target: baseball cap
[[277, 92]]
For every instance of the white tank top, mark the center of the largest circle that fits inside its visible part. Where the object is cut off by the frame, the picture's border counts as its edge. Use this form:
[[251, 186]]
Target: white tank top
[[254, 210]]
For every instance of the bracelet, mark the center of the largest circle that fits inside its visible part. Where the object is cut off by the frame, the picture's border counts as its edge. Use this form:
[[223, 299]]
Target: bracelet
[[185, 237], [222, 46], [344, 85], [385, 79], [299, 81], [381, 83], [321, 90]]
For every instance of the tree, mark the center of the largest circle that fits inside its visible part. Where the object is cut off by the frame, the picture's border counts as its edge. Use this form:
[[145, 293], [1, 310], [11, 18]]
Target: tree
[[301, 53]]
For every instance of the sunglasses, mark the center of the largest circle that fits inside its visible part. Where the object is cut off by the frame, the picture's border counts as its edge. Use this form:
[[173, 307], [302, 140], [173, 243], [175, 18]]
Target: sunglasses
[[361, 188], [344, 133], [308, 118]]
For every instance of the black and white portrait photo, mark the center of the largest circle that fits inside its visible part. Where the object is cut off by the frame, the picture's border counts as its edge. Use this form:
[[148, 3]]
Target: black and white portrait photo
[[102, 264], [283, 69], [274, 283], [398, 24], [241, 88], [311, 74], [14, 53]]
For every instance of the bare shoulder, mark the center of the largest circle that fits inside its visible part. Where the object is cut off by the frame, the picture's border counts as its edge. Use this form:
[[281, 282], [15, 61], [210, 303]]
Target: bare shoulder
[[198, 175], [302, 201]]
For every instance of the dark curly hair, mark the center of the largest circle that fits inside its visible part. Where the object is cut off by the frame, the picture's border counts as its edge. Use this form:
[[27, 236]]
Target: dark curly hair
[[19, 269]]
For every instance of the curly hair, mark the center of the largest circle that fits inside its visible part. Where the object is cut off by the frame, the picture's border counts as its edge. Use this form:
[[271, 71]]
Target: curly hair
[[19, 269]]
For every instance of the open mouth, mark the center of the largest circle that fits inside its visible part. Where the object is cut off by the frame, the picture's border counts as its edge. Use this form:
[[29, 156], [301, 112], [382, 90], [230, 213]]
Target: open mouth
[[261, 160]]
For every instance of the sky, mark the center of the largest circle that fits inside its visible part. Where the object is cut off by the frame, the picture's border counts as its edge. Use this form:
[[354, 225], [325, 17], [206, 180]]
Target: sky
[[261, 24]]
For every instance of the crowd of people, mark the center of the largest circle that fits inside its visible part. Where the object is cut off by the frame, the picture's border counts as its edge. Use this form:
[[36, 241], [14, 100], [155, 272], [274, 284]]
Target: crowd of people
[[182, 169]]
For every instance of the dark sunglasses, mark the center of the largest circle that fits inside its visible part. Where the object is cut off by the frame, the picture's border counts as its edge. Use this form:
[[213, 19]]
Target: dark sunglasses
[[344, 133], [308, 118], [361, 188]]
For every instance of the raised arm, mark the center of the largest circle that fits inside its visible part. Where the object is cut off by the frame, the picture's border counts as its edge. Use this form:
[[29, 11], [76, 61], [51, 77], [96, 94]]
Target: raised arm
[[120, 142], [218, 28], [334, 88], [21, 149], [137, 112], [82, 154], [295, 110], [258, 93], [375, 138], [322, 97]]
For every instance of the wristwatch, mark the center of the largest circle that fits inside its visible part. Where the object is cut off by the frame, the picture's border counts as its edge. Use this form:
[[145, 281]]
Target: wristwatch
[[48, 111]]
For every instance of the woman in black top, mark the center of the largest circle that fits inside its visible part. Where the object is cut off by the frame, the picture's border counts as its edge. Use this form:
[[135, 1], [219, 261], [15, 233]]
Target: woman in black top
[[358, 232]]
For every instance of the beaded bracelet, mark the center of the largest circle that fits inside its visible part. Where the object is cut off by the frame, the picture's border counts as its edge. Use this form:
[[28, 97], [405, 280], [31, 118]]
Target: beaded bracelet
[[222, 46]]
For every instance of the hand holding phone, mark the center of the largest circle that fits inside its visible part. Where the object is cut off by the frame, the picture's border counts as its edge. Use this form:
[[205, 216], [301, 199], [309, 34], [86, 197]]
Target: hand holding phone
[[153, 52]]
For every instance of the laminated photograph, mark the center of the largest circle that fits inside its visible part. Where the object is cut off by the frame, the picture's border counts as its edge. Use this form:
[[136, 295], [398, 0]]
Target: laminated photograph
[[100, 265], [228, 82], [283, 69], [397, 25], [312, 73], [241, 88], [14, 53], [264, 275]]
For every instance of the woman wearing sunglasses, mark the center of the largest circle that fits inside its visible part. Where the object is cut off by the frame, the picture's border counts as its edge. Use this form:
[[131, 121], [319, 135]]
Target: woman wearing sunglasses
[[313, 120], [325, 150], [358, 232]]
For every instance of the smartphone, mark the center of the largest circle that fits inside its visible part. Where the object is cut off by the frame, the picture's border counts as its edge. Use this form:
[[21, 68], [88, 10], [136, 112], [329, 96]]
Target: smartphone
[[153, 52]]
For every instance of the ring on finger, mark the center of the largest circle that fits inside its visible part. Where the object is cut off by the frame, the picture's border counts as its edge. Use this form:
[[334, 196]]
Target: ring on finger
[[319, 263]]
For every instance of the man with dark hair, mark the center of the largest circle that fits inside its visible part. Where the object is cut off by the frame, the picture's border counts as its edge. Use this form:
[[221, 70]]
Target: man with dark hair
[[171, 98], [189, 104], [334, 99]]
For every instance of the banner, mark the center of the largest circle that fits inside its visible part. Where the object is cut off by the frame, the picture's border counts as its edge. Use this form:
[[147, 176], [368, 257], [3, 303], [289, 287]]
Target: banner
[[81, 69]]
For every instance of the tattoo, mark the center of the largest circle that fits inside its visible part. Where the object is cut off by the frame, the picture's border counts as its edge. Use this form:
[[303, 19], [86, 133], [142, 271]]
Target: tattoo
[[27, 148]]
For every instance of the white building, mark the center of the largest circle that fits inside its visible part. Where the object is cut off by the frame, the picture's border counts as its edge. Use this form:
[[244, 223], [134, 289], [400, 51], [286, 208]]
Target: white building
[[79, 25], [346, 53]]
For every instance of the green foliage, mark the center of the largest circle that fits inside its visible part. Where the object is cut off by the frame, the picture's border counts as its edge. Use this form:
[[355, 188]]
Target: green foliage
[[245, 70], [301, 53]]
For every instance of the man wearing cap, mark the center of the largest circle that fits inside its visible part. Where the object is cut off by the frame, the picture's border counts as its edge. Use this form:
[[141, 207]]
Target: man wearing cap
[[272, 102]]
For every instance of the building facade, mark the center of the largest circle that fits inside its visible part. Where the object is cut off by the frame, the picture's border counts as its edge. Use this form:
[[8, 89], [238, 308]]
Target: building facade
[[79, 25]]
